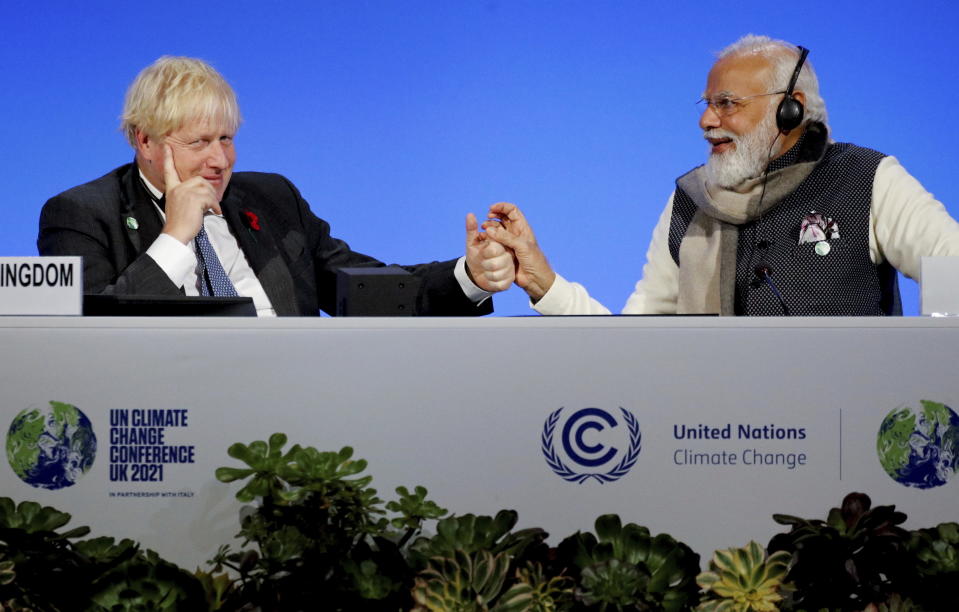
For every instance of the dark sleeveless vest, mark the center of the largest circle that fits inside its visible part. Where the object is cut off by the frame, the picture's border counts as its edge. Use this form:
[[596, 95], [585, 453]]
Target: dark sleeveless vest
[[842, 282]]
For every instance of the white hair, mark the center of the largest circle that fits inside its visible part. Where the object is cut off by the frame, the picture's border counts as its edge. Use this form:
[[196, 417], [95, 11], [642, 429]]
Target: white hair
[[782, 57]]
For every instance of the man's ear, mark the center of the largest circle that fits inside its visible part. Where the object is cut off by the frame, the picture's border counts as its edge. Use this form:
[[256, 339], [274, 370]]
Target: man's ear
[[800, 97], [148, 148]]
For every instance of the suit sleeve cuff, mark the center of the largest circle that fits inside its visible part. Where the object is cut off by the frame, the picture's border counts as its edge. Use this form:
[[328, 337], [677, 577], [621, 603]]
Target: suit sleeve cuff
[[473, 293], [176, 259]]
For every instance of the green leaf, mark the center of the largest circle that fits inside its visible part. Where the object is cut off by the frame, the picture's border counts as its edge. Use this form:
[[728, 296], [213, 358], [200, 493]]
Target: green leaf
[[413, 508], [277, 441], [228, 474], [608, 528]]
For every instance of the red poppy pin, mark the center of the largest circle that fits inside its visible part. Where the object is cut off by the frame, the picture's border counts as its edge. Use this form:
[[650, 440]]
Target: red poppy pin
[[252, 221]]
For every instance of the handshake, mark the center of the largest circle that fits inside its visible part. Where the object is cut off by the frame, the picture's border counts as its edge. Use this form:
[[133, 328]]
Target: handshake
[[506, 253]]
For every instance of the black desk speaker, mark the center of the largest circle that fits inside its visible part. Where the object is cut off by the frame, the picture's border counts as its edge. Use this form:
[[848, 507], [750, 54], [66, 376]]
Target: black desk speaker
[[388, 291]]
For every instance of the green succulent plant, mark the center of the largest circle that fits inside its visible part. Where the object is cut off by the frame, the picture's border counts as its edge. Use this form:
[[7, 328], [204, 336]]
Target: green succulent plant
[[472, 545], [146, 582], [319, 531], [465, 581], [624, 567], [616, 585], [313, 470], [94, 574], [219, 588], [856, 557], [936, 550], [32, 518], [35, 552], [470, 533], [413, 508], [319, 537], [7, 571], [269, 467], [936, 554], [368, 579], [534, 591], [744, 580]]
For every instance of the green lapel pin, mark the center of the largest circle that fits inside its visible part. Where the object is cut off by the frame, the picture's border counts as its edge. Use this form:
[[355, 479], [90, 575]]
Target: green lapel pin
[[132, 223]]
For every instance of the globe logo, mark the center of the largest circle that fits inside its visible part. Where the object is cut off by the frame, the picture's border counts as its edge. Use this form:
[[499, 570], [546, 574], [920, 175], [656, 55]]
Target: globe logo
[[920, 447], [51, 447]]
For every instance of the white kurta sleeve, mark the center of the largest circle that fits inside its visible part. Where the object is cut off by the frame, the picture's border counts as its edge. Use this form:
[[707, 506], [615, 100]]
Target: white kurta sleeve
[[907, 222], [657, 292], [566, 298]]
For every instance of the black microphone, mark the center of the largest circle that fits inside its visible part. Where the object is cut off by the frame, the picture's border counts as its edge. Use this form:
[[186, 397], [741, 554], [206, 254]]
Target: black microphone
[[764, 273]]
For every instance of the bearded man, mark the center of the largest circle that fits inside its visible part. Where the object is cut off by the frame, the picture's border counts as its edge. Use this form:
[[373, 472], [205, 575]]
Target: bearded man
[[781, 220]]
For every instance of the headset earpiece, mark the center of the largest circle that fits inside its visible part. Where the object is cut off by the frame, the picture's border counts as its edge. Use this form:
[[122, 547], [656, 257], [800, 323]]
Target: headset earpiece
[[790, 112]]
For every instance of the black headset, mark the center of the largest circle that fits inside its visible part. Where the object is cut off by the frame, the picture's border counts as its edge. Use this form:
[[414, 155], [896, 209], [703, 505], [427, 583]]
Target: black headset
[[790, 112]]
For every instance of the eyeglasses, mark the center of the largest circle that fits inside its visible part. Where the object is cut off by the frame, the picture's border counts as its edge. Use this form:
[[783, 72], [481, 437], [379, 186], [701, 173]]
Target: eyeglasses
[[725, 106]]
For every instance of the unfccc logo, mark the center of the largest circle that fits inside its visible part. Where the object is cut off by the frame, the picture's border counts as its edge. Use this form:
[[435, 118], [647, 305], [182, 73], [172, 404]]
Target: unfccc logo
[[580, 439]]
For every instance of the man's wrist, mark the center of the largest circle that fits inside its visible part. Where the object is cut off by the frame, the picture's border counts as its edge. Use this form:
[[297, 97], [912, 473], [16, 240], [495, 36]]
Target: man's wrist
[[473, 292], [183, 237], [176, 259], [556, 298], [538, 289]]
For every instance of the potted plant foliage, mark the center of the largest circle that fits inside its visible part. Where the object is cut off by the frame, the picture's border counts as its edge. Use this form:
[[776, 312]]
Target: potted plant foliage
[[315, 535], [857, 557]]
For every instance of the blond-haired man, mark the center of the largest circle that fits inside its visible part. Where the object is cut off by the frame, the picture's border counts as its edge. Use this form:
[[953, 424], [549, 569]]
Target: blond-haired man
[[178, 220]]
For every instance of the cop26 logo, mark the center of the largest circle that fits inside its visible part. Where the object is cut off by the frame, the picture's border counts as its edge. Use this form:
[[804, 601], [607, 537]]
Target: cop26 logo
[[581, 440]]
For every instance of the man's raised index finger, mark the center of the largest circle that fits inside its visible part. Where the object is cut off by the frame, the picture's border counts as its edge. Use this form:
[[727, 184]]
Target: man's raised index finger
[[170, 176]]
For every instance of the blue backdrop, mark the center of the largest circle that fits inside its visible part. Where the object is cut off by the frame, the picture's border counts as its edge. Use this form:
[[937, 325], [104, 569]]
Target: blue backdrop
[[395, 119]]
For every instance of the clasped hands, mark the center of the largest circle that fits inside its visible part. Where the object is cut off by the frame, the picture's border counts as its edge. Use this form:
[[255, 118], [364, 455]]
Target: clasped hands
[[506, 253]]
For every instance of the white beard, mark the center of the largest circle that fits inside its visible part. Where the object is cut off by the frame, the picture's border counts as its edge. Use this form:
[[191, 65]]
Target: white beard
[[747, 160]]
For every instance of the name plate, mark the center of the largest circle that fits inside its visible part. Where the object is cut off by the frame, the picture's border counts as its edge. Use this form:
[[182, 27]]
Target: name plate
[[41, 286], [939, 286]]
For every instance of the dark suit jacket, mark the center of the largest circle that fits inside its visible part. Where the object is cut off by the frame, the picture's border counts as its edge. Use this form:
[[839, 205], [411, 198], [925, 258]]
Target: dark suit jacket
[[292, 254]]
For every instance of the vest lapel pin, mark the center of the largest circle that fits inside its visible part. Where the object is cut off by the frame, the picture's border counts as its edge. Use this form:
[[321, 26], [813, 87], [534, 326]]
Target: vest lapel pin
[[818, 229], [811, 228]]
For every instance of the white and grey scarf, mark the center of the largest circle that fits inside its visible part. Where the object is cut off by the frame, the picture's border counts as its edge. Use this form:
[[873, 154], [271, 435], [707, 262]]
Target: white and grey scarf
[[707, 253]]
